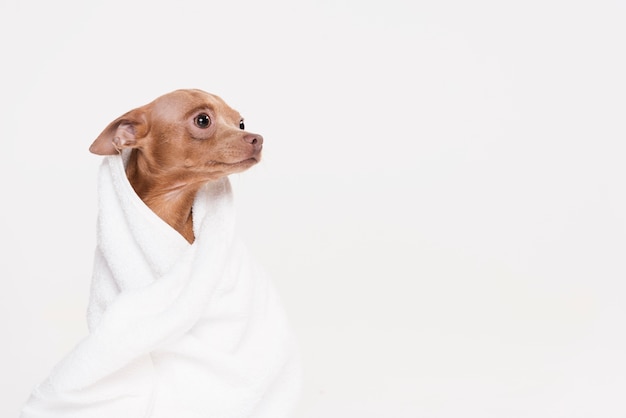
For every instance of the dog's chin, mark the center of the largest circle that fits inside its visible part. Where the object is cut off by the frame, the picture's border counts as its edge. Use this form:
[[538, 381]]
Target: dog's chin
[[233, 167], [248, 162], [245, 164]]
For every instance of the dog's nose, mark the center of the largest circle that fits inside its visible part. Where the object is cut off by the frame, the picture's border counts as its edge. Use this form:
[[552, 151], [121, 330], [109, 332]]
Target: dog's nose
[[254, 140]]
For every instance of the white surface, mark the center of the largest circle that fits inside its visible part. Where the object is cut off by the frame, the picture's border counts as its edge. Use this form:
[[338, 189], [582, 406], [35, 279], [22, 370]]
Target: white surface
[[441, 202]]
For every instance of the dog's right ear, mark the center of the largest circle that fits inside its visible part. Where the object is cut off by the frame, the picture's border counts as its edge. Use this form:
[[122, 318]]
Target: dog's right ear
[[122, 133]]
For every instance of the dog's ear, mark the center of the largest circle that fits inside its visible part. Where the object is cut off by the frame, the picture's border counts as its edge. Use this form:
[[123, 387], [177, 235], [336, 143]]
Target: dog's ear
[[122, 133]]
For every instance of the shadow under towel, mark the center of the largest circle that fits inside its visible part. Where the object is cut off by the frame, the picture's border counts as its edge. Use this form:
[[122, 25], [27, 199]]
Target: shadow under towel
[[176, 330]]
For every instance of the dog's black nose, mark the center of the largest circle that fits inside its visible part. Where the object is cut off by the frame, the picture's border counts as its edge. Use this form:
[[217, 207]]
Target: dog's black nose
[[254, 140]]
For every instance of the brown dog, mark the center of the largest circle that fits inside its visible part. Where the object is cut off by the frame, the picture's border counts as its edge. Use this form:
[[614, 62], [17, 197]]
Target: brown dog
[[179, 142]]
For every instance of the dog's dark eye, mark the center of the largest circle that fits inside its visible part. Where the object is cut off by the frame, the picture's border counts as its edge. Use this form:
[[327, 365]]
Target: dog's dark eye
[[241, 125], [202, 121]]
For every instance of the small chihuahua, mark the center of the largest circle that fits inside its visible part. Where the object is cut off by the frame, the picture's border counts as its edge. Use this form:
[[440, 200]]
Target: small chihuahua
[[179, 142], [175, 330]]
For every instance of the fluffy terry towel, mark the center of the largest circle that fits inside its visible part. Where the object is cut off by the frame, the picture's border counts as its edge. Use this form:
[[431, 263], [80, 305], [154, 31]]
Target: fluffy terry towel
[[176, 330]]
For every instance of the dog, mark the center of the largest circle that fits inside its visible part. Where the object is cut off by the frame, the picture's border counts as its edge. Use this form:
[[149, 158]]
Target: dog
[[175, 329], [179, 142]]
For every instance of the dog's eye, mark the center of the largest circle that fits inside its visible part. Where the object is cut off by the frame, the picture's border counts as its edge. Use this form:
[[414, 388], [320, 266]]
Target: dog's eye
[[241, 125], [202, 121]]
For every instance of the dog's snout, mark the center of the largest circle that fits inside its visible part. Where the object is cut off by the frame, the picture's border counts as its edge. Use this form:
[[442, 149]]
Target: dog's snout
[[254, 140]]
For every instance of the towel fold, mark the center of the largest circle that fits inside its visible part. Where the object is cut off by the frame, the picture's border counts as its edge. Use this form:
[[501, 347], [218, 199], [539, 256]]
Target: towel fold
[[175, 329]]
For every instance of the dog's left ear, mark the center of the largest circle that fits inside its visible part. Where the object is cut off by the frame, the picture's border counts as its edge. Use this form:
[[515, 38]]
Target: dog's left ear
[[122, 133]]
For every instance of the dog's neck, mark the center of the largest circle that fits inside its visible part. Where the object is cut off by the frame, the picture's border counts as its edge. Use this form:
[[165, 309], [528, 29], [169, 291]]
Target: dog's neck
[[168, 195]]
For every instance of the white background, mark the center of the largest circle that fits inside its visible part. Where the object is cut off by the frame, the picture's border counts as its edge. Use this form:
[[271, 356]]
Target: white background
[[441, 202]]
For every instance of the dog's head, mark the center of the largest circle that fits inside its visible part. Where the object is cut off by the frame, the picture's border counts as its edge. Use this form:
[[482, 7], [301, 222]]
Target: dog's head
[[185, 131]]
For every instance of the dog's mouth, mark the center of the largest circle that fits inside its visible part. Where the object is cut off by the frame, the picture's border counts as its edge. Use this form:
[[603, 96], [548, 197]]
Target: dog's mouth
[[246, 162], [251, 160]]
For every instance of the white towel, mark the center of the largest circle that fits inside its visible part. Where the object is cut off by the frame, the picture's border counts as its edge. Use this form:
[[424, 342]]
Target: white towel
[[177, 330]]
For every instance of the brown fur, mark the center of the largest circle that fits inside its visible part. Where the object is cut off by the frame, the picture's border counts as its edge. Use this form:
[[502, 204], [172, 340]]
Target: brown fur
[[172, 157]]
